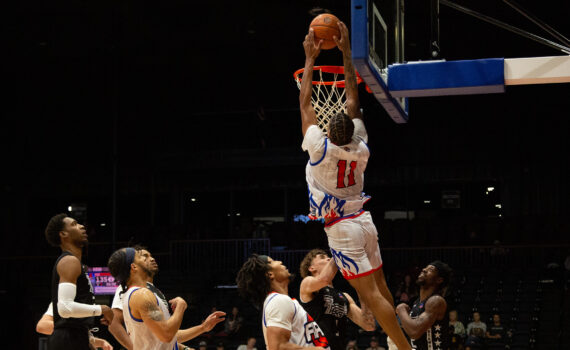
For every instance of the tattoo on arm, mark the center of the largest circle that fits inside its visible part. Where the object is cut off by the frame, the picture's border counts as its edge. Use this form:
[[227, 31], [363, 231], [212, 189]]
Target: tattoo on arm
[[153, 311], [349, 74]]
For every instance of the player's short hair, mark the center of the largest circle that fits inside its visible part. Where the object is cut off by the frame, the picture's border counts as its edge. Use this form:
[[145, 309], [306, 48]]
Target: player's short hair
[[341, 129], [54, 227], [308, 259], [253, 280]]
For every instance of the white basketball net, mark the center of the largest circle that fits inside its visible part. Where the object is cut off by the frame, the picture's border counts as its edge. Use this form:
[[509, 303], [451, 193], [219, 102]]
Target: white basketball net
[[327, 100]]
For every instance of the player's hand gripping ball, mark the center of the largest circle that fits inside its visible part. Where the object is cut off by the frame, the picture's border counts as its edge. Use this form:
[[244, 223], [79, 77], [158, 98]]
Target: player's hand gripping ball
[[325, 26]]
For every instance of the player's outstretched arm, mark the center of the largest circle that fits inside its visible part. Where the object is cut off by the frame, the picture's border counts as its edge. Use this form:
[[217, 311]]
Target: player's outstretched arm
[[209, 323], [362, 316], [434, 310], [352, 101], [312, 50], [311, 284], [144, 306]]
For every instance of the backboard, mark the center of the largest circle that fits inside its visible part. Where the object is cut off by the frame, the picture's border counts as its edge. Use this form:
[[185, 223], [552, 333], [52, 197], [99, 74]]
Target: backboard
[[377, 42]]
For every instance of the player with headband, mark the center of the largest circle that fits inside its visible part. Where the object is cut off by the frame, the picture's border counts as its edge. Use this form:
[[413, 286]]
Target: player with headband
[[145, 309]]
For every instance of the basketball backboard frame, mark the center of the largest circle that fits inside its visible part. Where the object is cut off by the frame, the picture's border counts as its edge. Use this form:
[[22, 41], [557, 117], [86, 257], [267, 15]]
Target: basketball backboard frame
[[371, 52]]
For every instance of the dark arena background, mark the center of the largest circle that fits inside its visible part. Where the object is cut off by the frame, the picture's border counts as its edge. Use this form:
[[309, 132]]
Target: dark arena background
[[176, 125]]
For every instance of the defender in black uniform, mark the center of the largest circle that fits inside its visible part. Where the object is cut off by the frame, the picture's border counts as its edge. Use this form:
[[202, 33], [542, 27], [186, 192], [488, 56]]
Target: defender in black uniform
[[427, 322], [329, 307], [71, 292]]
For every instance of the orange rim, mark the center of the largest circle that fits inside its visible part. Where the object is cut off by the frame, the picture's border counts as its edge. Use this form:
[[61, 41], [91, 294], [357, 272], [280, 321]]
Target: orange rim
[[327, 69]]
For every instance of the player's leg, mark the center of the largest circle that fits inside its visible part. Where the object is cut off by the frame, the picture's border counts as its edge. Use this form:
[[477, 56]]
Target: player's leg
[[372, 249], [382, 309], [383, 286], [351, 243], [68, 338]]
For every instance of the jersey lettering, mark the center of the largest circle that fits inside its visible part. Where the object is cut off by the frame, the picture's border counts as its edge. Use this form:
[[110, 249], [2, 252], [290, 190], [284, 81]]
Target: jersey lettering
[[342, 173], [314, 335]]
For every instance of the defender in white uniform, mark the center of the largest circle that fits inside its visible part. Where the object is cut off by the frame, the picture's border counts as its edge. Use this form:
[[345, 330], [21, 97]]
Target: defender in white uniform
[[141, 335], [285, 323], [147, 319], [335, 177], [144, 308]]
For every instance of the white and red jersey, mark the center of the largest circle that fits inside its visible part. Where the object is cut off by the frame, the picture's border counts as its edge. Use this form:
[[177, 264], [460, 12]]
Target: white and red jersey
[[280, 310], [335, 175]]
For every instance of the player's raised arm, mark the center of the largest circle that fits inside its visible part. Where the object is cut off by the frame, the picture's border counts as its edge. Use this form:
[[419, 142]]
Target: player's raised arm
[[352, 101], [312, 50], [312, 284], [362, 315]]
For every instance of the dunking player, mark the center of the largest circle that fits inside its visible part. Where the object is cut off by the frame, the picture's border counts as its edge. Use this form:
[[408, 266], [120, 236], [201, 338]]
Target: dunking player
[[71, 291], [335, 175], [427, 323], [148, 320], [45, 326], [330, 307], [286, 325]]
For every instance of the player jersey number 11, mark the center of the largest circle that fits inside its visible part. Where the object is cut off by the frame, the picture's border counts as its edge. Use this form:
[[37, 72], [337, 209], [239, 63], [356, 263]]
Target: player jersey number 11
[[341, 165]]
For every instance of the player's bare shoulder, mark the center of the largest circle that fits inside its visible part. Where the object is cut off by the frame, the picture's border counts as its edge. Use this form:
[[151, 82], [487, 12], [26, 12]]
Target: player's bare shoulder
[[437, 305]]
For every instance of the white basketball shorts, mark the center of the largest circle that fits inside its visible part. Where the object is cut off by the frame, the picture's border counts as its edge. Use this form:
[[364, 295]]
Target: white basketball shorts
[[353, 241]]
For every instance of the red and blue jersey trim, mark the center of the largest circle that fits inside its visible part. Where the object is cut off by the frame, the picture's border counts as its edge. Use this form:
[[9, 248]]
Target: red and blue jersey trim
[[351, 216]]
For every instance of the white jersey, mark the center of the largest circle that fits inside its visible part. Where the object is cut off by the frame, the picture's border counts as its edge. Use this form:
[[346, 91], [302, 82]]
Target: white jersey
[[279, 310], [335, 175], [141, 336], [118, 299]]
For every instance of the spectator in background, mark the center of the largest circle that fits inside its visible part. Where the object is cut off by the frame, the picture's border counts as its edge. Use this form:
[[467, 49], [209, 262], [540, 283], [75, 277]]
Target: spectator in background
[[249, 345], [375, 344], [233, 323], [203, 345], [475, 333], [457, 331], [220, 346], [407, 291], [351, 345], [496, 333]]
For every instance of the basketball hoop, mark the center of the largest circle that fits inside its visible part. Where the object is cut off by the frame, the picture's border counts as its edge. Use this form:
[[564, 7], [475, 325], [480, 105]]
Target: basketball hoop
[[328, 96]]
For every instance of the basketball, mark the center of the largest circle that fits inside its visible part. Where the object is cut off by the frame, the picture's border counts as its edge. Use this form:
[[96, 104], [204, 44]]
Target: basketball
[[325, 27]]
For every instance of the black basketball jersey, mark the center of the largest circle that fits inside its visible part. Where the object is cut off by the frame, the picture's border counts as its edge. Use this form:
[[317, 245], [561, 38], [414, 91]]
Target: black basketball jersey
[[329, 308], [437, 336], [158, 293], [84, 295]]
